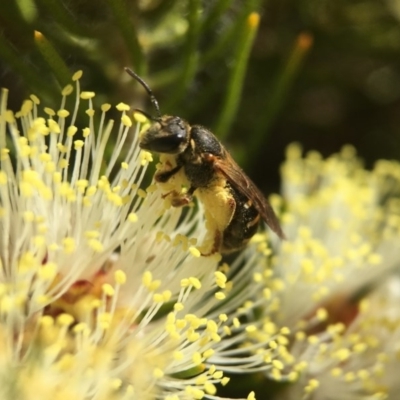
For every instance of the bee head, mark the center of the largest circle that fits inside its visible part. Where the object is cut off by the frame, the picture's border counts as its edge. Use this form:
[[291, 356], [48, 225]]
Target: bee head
[[167, 134]]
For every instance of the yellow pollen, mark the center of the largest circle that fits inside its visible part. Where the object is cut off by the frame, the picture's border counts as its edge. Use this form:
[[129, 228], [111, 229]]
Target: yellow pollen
[[71, 131], [336, 372], [90, 112], [91, 190], [3, 178], [192, 336], [42, 300], [178, 307], [132, 217], [141, 193], [158, 373], [77, 75], [273, 345], [322, 314], [139, 117], [267, 293], [208, 353], [195, 282], [63, 113], [312, 385], [108, 290], [126, 121], [95, 245], [251, 396], [278, 364], [220, 296], [81, 328], [26, 108], [223, 317], [87, 95], [210, 388], [78, 144], [35, 99], [65, 319], [92, 234], [220, 279], [374, 259], [313, 339], [122, 107], [48, 271], [116, 383], [145, 157], [69, 245], [120, 277], [181, 323], [225, 381], [85, 132], [195, 252], [178, 355], [342, 354], [197, 358], [276, 374], [285, 331], [360, 347], [212, 326], [147, 278], [67, 90], [201, 380], [217, 374], [53, 126]]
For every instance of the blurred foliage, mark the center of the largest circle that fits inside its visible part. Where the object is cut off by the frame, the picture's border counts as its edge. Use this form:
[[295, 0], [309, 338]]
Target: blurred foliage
[[259, 74], [320, 72]]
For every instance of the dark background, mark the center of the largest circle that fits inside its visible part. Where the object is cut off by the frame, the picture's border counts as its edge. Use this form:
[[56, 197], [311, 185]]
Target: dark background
[[344, 88]]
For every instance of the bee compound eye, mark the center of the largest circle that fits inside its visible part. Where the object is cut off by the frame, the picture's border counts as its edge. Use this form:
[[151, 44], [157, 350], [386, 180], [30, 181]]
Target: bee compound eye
[[168, 135], [171, 143]]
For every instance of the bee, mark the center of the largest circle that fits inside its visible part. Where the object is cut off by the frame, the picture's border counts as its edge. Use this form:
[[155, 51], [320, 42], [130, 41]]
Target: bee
[[193, 156]]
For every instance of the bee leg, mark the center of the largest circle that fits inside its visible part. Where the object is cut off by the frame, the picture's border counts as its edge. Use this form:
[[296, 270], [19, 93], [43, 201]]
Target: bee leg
[[180, 199], [216, 245], [164, 176]]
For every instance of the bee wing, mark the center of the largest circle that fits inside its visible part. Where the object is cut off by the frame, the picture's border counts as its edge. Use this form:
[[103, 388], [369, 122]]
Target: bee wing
[[240, 181]]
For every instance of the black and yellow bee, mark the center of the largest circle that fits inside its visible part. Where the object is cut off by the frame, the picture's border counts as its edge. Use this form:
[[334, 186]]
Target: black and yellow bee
[[232, 202]]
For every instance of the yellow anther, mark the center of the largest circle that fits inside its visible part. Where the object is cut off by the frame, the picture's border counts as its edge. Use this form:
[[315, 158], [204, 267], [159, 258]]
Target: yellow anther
[[122, 107], [87, 95], [77, 75]]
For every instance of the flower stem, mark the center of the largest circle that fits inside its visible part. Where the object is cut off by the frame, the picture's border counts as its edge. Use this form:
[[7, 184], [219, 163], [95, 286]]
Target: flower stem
[[128, 30], [53, 59], [236, 79], [190, 53], [215, 14], [278, 94]]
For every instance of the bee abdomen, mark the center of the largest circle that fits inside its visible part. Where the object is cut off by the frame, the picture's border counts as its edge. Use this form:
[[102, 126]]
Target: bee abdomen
[[243, 226]]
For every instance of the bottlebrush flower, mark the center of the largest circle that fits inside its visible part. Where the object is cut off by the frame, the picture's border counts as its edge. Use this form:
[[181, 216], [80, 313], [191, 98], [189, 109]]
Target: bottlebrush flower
[[325, 284], [103, 293]]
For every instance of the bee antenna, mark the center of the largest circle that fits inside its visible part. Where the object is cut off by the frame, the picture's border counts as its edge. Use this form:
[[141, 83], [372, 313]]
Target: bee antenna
[[148, 90]]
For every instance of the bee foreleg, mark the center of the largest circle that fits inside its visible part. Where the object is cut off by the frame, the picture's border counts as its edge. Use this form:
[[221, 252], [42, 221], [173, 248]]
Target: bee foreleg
[[180, 199], [164, 176]]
